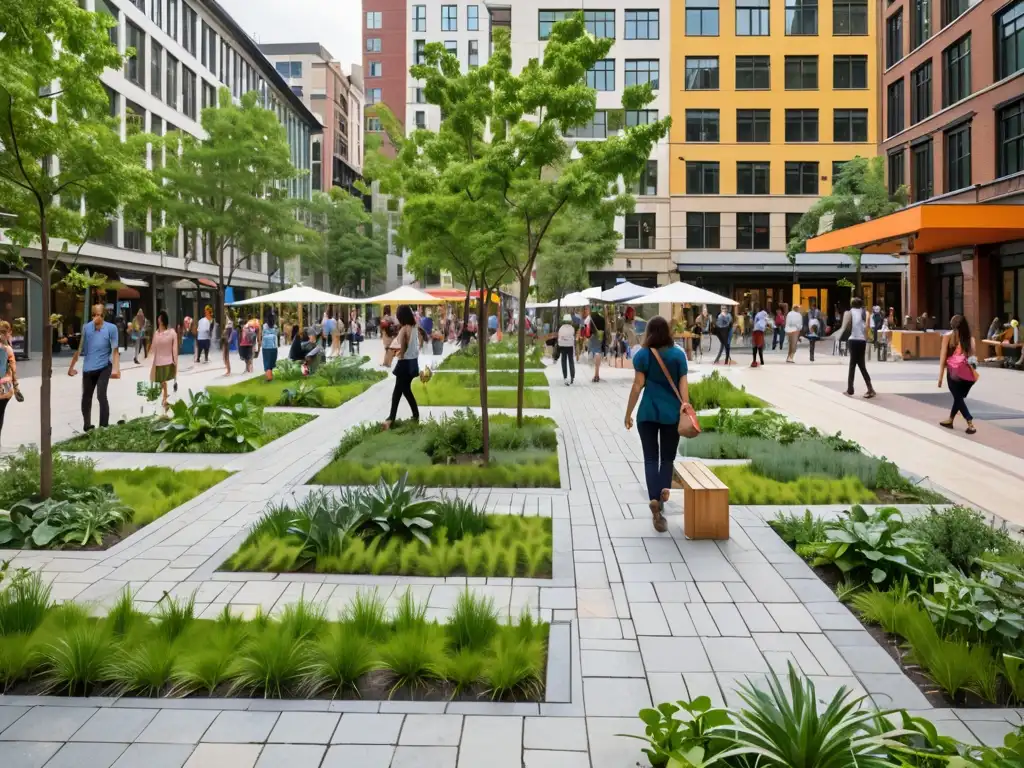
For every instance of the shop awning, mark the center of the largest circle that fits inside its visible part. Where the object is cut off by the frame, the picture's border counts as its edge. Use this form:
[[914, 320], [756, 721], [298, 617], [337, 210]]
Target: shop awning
[[132, 282], [208, 283], [127, 292], [406, 294], [457, 294], [927, 228]]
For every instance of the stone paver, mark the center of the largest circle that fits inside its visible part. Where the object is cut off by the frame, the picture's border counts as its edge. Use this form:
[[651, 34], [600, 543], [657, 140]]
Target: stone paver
[[304, 728], [291, 756], [48, 724], [154, 756], [27, 754], [86, 755]]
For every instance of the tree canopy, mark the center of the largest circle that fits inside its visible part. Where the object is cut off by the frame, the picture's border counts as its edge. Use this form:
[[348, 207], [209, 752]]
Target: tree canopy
[[578, 241], [354, 242]]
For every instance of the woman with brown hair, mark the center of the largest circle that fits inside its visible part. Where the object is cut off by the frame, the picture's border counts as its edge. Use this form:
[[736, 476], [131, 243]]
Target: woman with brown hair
[[956, 362], [658, 366], [165, 356], [8, 370]]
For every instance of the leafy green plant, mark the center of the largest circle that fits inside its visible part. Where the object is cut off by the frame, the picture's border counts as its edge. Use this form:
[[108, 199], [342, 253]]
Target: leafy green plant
[[341, 370], [235, 419], [400, 509], [80, 520], [78, 660], [716, 391], [412, 656], [799, 529], [748, 487], [288, 370], [1013, 671], [123, 617], [270, 663], [956, 536], [336, 662], [19, 659], [145, 669], [461, 669], [684, 732], [459, 434], [367, 615], [516, 668], [20, 473], [303, 620], [24, 600], [986, 673], [175, 615], [459, 517], [473, 623], [809, 457], [302, 394], [875, 544], [975, 608]]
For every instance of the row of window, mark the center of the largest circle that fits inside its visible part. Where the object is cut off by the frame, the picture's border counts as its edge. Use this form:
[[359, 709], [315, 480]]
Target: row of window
[[639, 24], [956, 85], [637, 72], [163, 13], [755, 126], [956, 143], [449, 18], [419, 52], [753, 230], [753, 73], [754, 178], [849, 17], [1008, 34]]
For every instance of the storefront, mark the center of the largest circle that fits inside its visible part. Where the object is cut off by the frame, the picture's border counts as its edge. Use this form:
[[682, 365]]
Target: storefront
[[1010, 281], [14, 309]]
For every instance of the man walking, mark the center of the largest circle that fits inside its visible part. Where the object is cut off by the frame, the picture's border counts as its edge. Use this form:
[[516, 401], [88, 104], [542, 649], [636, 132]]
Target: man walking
[[855, 321], [102, 362], [723, 329]]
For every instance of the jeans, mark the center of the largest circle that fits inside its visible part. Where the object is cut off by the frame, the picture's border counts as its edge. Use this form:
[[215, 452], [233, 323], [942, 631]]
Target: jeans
[[858, 351], [658, 459], [725, 342], [202, 347], [959, 388], [3, 408], [568, 362], [403, 387], [777, 336], [96, 381]]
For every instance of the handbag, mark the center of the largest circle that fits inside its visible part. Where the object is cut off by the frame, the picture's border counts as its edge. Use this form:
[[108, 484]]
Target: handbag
[[689, 425], [958, 367]]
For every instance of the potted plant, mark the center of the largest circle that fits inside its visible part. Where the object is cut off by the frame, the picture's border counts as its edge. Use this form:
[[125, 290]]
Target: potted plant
[[437, 342]]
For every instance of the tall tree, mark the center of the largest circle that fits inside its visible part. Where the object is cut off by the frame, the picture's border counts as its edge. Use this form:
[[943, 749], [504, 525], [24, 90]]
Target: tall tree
[[579, 241], [354, 242], [526, 164], [859, 194], [64, 170], [231, 188]]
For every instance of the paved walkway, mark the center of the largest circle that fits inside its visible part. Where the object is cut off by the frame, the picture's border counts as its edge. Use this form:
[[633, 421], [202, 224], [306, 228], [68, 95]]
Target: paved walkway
[[637, 617]]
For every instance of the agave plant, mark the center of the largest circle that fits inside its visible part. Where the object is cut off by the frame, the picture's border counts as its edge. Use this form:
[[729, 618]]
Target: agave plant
[[340, 370], [236, 419], [401, 509], [325, 521]]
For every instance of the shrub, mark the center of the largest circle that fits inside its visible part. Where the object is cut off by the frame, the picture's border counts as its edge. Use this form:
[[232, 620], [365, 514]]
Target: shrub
[[235, 419], [78, 661], [719, 445], [748, 488], [400, 510], [473, 623], [799, 529], [716, 391], [303, 394], [954, 537], [270, 663], [516, 669], [810, 457], [452, 436], [877, 545], [413, 655], [83, 519], [24, 600], [337, 661], [288, 370], [459, 517], [20, 473], [975, 608]]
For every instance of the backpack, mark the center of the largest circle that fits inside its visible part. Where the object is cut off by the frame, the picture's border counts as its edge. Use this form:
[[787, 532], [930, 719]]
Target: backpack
[[248, 336]]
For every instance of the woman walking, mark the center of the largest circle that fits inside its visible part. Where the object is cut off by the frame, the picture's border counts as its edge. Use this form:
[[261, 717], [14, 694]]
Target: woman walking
[[8, 371], [408, 366], [855, 321], [139, 331], [658, 365], [268, 345], [794, 325], [723, 330], [757, 337], [165, 356], [387, 334], [567, 349], [956, 362]]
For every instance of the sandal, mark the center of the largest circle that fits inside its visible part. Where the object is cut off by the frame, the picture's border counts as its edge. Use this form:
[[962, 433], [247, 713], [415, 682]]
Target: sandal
[[660, 524], [386, 425], [970, 428], [948, 424], [869, 394]]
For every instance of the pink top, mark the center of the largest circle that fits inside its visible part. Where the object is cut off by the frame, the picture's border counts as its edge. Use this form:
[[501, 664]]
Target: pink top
[[164, 344]]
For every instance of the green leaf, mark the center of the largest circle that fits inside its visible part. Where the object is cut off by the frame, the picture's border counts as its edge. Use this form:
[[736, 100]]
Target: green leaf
[[44, 533], [878, 575]]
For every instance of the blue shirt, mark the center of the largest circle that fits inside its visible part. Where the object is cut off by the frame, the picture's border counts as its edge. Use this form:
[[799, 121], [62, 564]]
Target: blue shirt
[[98, 346], [427, 324], [659, 403], [492, 322], [329, 327]]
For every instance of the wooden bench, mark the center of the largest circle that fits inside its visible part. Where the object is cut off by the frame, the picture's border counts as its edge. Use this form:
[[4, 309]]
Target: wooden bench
[[1000, 347], [705, 501]]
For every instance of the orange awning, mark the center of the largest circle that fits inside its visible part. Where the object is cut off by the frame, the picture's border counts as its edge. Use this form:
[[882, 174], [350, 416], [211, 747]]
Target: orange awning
[[457, 294], [926, 229]]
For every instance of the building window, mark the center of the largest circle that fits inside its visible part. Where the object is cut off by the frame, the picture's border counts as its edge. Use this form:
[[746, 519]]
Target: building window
[[801, 125], [236, 74], [473, 18], [701, 74], [171, 67], [801, 178], [597, 128], [289, 69], [171, 28], [921, 92], [315, 166], [920, 22], [953, 10], [837, 168], [849, 72], [801, 17], [641, 117], [209, 95], [639, 231], [894, 38], [373, 45], [156, 12], [547, 19], [452, 47], [419, 18], [1010, 138], [753, 178], [602, 76], [753, 125], [449, 18], [647, 184], [374, 20], [701, 178], [104, 6], [373, 124], [894, 122], [753, 231], [921, 178], [1010, 40], [376, 69], [956, 74], [473, 58], [752, 18], [209, 49], [703, 230], [156, 64], [134, 118], [702, 125], [188, 92], [418, 96], [135, 65], [189, 25], [419, 51], [421, 120], [373, 96], [753, 73], [801, 73], [896, 172], [643, 25], [702, 18], [792, 219], [641, 71], [958, 158], [601, 24], [850, 125], [850, 17]]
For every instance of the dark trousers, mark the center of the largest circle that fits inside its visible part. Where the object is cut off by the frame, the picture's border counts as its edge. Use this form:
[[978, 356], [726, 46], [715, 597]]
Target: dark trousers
[[95, 381], [778, 336], [3, 408], [759, 351], [660, 443], [403, 388], [812, 341], [725, 344], [568, 355], [959, 388], [202, 347], [858, 351]]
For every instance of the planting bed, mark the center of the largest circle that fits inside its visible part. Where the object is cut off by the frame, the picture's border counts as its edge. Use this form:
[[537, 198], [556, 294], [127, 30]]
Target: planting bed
[[301, 653], [448, 454], [393, 530], [496, 378], [335, 382], [716, 391], [440, 391]]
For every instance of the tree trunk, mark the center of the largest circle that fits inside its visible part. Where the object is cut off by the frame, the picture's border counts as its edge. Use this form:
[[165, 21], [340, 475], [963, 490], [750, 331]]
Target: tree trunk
[[465, 313], [858, 278], [482, 336], [45, 414], [524, 289]]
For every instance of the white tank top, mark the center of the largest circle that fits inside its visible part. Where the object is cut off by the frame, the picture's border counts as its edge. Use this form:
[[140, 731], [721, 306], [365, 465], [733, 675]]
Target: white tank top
[[858, 322], [412, 350]]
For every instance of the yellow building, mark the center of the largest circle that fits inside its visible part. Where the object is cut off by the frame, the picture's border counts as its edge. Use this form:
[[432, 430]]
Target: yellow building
[[768, 98]]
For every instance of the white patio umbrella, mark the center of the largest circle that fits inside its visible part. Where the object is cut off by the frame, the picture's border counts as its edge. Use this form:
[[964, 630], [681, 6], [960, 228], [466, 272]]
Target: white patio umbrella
[[681, 293], [624, 292], [576, 299], [297, 294], [593, 294], [405, 294]]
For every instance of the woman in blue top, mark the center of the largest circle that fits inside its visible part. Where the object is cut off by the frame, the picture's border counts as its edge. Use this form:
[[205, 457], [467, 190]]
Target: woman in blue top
[[659, 411]]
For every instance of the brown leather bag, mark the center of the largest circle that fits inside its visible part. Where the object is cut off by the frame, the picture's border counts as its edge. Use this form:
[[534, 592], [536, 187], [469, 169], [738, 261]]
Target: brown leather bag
[[689, 425]]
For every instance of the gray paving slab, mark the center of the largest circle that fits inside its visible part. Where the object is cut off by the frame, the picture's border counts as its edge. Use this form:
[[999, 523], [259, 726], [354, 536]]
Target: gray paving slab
[[304, 728], [291, 756], [496, 742], [733, 654], [87, 755], [543, 759], [364, 728], [224, 756], [178, 726], [27, 754], [363, 755], [872, 659], [140, 755], [555, 733], [115, 725], [611, 697], [431, 731], [425, 757], [674, 654], [611, 664], [241, 727], [48, 724]]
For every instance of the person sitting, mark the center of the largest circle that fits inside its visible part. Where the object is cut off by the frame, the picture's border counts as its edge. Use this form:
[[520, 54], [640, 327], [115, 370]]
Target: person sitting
[[311, 351]]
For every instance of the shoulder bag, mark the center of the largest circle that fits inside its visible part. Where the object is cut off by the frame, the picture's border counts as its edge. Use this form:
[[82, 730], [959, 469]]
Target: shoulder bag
[[689, 425]]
